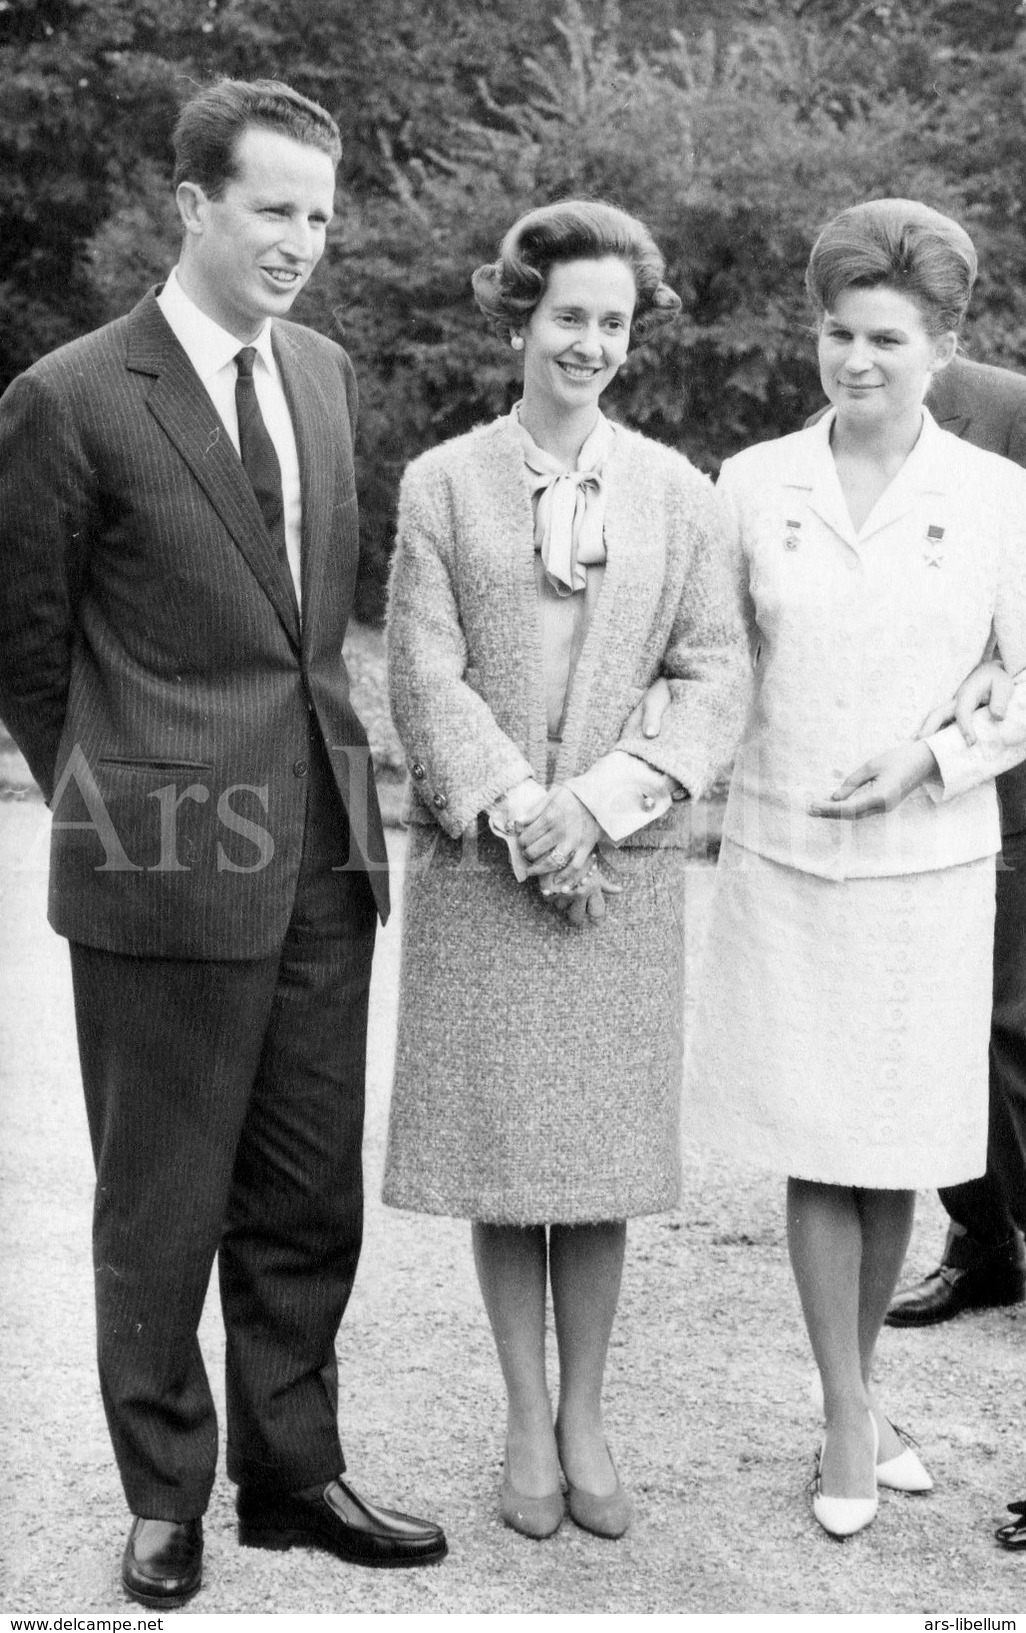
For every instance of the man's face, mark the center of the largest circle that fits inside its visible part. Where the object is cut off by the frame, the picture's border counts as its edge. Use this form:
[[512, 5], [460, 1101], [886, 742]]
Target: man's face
[[248, 253]]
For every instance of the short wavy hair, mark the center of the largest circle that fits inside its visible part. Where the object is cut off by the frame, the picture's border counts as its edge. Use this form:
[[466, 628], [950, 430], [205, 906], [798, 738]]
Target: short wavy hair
[[206, 136], [899, 244], [509, 289]]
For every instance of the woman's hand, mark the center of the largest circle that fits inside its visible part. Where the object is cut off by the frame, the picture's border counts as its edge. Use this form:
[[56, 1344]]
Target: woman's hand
[[587, 903], [989, 683], [559, 840], [647, 716], [879, 785]]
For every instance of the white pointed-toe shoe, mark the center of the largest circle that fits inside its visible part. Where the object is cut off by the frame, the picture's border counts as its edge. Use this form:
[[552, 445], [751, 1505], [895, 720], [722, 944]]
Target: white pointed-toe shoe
[[844, 1516], [905, 1472]]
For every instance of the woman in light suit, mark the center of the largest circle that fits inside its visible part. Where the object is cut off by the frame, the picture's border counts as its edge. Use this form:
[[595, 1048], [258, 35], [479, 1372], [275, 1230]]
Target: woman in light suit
[[548, 567], [842, 1029]]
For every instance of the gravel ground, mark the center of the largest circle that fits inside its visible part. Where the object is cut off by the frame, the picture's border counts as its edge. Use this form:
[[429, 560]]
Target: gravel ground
[[708, 1407]]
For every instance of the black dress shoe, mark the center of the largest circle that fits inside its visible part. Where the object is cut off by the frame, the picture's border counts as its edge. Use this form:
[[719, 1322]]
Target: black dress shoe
[[1013, 1535], [336, 1518], [948, 1290], [163, 1562]]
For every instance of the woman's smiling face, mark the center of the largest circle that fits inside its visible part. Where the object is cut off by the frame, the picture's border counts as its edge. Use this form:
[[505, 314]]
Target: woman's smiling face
[[876, 355], [577, 337]]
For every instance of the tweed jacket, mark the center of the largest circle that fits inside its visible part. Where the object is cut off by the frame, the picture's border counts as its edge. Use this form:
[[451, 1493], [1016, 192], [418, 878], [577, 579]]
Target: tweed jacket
[[152, 666], [465, 660], [860, 634]]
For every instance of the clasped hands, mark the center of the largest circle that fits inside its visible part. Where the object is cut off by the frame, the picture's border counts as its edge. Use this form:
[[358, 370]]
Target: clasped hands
[[558, 844], [884, 781]]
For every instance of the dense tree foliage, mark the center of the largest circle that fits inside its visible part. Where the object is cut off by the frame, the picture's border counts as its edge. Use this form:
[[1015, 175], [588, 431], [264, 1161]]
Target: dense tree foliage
[[734, 129]]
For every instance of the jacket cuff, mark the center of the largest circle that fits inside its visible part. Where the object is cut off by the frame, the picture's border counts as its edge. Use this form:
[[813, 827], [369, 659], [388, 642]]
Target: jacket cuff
[[1000, 745], [624, 793]]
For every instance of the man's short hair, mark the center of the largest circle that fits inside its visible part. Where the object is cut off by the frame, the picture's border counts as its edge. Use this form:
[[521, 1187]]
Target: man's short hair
[[206, 136]]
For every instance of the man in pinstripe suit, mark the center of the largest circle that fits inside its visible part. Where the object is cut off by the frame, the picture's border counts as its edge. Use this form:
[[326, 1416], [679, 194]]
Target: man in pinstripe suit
[[171, 623]]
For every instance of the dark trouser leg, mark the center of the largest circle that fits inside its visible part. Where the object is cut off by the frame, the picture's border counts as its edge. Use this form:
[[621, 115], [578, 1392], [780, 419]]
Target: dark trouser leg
[[987, 1211], [294, 1222], [229, 1092], [169, 1049]]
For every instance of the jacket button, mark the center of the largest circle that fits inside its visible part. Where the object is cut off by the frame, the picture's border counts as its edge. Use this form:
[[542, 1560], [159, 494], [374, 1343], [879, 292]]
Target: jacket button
[[439, 802], [417, 771], [299, 768]]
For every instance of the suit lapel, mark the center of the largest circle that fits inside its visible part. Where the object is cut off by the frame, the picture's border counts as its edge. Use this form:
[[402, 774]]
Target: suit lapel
[[814, 478], [920, 474], [317, 428], [182, 407]]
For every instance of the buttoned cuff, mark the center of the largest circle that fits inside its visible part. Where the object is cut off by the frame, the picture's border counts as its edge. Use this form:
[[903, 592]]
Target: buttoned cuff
[[1000, 745], [625, 793]]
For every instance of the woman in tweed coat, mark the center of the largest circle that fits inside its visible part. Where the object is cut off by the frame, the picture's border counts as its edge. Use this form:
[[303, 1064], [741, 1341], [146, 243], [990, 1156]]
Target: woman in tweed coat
[[549, 566]]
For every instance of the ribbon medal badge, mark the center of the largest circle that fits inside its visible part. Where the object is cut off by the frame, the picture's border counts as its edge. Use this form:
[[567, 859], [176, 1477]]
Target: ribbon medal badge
[[933, 555]]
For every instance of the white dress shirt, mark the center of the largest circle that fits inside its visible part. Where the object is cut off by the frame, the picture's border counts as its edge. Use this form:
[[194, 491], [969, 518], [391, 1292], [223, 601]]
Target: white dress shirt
[[212, 352]]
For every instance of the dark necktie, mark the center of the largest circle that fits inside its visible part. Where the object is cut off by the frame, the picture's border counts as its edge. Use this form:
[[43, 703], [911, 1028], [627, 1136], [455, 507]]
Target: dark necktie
[[259, 460]]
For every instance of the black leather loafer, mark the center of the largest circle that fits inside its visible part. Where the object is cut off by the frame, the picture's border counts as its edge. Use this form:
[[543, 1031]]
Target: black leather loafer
[[163, 1562], [1013, 1535], [336, 1518], [948, 1291]]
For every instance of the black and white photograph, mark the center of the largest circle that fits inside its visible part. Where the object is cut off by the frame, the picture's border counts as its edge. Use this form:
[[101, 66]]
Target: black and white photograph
[[512, 810]]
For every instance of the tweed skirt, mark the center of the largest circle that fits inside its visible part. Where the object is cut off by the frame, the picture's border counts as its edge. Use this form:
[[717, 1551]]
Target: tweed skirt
[[841, 1029], [538, 1066]]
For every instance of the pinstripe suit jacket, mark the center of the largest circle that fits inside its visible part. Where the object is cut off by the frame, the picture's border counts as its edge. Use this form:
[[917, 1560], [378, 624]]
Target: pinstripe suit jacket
[[152, 666]]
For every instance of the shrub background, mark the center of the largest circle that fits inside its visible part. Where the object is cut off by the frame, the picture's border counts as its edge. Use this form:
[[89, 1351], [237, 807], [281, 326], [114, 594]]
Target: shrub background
[[735, 129]]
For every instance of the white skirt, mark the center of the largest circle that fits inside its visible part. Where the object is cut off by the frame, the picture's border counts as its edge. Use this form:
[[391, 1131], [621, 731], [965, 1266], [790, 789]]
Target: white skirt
[[841, 1029]]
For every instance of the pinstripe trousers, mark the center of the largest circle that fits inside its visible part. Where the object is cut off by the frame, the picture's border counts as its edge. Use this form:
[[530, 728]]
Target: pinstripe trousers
[[225, 1105]]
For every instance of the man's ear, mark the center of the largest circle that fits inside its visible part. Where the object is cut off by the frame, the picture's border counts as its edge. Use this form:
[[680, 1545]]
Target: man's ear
[[191, 201]]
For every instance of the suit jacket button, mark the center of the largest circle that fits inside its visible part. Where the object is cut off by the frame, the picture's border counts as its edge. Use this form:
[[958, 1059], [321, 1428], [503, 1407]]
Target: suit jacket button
[[439, 802], [299, 768], [417, 771]]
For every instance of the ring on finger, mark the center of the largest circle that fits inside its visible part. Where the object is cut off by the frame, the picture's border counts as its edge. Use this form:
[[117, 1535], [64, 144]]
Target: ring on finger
[[559, 859]]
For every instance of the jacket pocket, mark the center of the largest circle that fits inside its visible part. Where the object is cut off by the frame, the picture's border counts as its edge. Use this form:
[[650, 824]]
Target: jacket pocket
[[154, 765]]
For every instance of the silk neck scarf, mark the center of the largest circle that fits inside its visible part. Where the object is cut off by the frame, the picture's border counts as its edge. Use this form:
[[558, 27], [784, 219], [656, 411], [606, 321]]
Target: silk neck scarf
[[569, 506]]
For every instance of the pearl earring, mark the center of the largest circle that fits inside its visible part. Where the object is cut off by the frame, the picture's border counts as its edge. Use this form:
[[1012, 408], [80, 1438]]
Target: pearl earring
[[517, 342]]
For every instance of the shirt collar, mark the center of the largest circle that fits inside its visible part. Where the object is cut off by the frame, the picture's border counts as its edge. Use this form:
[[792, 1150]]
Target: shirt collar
[[595, 450], [207, 345], [925, 462]]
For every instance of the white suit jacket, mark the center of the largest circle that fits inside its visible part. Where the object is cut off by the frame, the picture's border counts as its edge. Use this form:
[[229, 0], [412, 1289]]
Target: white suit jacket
[[858, 634]]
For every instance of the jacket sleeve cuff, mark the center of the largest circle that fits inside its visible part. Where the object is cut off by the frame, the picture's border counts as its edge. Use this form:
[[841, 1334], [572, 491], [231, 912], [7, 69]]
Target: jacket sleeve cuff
[[624, 793], [1000, 745]]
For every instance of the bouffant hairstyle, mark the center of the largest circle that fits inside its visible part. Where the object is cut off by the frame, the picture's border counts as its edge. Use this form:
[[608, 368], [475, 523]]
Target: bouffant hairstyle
[[209, 126], [509, 289], [903, 245]]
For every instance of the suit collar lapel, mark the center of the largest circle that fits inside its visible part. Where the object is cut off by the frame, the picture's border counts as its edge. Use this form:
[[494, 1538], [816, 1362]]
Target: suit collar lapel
[[814, 474], [923, 472], [315, 422], [180, 404]]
